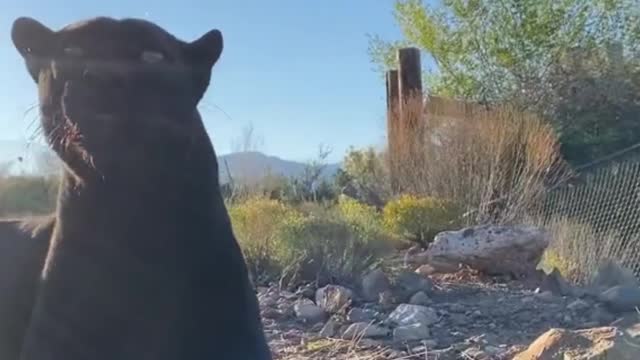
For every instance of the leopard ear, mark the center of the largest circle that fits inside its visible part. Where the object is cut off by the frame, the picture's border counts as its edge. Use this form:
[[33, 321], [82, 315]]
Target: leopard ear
[[207, 49], [31, 38]]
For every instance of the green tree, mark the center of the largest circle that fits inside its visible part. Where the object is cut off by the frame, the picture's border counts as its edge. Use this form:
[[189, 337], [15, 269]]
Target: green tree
[[529, 53]]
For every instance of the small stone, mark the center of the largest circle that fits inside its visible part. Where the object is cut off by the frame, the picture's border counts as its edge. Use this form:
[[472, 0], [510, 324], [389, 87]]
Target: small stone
[[556, 284], [420, 298], [363, 329], [309, 313], [330, 328], [271, 313], [457, 308], [333, 298], [579, 306], [426, 270], [374, 284], [430, 344], [407, 314], [475, 353], [409, 283], [602, 316], [546, 296], [459, 319], [417, 331], [307, 291], [359, 315]]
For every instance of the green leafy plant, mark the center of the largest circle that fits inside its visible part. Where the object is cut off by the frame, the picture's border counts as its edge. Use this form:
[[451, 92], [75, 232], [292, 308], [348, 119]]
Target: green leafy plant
[[419, 219]]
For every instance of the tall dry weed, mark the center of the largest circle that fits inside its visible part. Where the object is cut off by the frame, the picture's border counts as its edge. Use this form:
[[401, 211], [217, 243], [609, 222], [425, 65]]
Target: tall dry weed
[[494, 161]]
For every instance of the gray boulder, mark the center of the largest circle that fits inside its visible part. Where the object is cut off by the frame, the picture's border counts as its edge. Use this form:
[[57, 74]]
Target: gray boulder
[[493, 249], [621, 298]]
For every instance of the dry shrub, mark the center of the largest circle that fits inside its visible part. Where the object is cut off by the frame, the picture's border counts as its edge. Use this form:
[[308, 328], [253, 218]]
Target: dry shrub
[[27, 195], [494, 161], [577, 249]]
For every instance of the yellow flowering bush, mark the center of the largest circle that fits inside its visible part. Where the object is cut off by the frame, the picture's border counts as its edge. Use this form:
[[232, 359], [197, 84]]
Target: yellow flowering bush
[[419, 219]]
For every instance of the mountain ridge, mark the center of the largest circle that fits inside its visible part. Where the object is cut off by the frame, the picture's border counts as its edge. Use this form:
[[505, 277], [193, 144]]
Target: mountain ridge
[[251, 166]]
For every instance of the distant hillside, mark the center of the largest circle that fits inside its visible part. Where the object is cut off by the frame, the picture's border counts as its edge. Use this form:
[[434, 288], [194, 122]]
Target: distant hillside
[[251, 166], [254, 165]]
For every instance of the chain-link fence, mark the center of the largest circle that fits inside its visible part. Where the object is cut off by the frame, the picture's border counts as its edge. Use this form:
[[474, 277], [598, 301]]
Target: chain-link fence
[[594, 217]]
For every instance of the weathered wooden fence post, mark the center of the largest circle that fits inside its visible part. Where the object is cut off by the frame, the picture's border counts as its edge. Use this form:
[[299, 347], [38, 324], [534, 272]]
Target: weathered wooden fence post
[[393, 112], [404, 106], [410, 74]]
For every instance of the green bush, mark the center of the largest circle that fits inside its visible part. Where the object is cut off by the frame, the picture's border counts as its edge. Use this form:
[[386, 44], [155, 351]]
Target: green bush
[[364, 219], [327, 248], [419, 219], [312, 242], [257, 224], [25, 195]]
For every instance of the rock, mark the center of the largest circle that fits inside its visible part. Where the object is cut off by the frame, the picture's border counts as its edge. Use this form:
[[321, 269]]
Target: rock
[[610, 274], [364, 329], [407, 314], [579, 306], [633, 331], [374, 284], [307, 291], [459, 319], [590, 344], [475, 353], [457, 308], [309, 312], [417, 331], [409, 283], [621, 298], [602, 316], [330, 329], [433, 267], [333, 298], [546, 296], [420, 298], [493, 350], [556, 284], [492, 249], [360, 315], [386, 299]]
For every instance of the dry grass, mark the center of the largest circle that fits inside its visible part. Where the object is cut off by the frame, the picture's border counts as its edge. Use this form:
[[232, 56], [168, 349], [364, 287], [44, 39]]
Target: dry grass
[[356, 348], [577, 250], [27, 195], [494, 161]]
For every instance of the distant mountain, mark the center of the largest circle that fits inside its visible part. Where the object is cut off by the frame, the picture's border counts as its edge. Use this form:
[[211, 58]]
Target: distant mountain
[[252, 165], [21, 157]]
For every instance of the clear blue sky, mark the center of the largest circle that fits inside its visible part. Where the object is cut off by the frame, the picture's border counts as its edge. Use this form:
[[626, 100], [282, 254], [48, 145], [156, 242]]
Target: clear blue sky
[[297, 69]]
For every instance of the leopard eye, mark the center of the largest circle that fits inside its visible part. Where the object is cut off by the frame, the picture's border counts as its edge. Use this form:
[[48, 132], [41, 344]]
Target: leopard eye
[[74, 51], [151, 57]]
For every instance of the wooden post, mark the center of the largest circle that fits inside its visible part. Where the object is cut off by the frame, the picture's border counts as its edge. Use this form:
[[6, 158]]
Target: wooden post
[[393, 108], [410, 127], [410, 74]]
